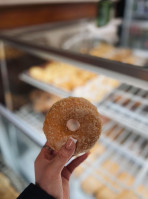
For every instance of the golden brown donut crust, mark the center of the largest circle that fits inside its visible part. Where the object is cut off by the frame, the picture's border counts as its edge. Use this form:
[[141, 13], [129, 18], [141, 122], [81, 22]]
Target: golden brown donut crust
[[76, 108]]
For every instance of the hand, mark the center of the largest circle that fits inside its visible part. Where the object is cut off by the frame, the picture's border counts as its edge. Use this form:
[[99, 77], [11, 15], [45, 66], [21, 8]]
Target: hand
[[51, 174]]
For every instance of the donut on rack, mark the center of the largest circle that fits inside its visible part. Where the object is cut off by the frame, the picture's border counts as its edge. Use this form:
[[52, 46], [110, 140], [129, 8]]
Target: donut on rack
[[72, 117]]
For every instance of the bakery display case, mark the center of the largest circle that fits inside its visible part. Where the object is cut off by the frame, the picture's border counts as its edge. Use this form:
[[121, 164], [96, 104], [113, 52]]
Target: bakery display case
[[61, 61]]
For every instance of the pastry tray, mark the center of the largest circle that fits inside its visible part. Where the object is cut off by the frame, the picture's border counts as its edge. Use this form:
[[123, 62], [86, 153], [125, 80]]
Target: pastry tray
[[127, 105], [85, 90], [43, 86]]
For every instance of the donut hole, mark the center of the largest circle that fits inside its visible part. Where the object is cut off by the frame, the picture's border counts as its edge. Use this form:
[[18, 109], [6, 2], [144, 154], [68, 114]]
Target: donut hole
[[73, 125]]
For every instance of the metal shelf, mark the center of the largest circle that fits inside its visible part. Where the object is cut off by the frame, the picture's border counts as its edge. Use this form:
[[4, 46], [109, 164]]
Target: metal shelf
[[128, 106], [43, 86], [143, 16], [23, 120], [34, 119], [139, 23], [125, 141], [119, 147]]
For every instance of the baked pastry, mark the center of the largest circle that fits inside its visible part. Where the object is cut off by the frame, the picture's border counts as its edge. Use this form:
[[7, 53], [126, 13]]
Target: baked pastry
[[126, 178], [125, 55], [4, 180], [98, 149], [61, 75], [95, 152], [107, 180], [96, 89], [72, 117], [103, 50], [6, 190], [111, 166], [126, 194], [78, 171], [142, 190], [104, 119], [42, 101], [36, 72], [90, 160], [121, 54], [10, 53], [90, 185], [136, 60], [105, 193]]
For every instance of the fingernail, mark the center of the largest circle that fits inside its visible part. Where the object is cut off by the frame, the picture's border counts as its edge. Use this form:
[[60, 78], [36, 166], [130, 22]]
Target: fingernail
[[74, 140], [70, 143]]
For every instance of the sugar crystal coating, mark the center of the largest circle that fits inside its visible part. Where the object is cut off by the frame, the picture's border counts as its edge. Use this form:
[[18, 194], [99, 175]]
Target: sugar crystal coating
[[79, 109]]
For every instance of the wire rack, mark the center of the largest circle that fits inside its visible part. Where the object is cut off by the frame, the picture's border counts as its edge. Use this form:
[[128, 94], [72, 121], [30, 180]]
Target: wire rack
[[125, 176], [44, 86], [33, 121], [128, 106], [32, 118], [122, 165], [126, 140]]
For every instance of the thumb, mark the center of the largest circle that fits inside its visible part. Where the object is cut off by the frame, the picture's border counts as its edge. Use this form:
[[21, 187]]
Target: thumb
[[64, 154]]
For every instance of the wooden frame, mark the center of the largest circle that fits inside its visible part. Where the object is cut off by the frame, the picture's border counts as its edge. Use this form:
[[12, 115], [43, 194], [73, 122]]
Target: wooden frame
[[26, 15]]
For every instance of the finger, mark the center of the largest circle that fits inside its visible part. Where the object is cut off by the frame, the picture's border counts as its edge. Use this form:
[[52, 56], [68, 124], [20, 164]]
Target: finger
[[46, 152], [67, 171], [76, 162], [64, 154]]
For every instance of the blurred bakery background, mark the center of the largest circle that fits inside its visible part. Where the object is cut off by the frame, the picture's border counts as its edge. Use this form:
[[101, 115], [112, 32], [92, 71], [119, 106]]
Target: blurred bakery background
[[52, 49]]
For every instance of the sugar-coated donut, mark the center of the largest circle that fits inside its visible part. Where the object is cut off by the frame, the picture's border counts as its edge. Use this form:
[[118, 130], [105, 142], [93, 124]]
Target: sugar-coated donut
[[75, 117]]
